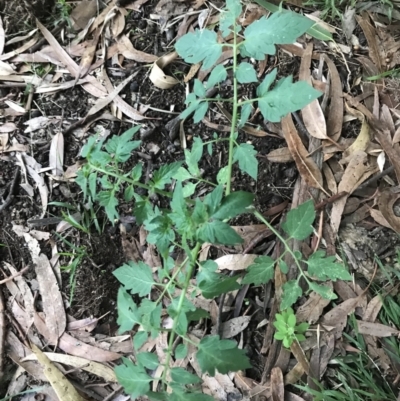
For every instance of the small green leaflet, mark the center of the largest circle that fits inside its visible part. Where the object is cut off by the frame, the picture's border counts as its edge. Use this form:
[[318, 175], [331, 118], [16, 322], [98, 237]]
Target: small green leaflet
[[128, 314], [108, 200], [134, 379], [291, 293], [136, 172], [218, 232], [262, 35], [181, 351], [263, 88], [222, 176], [213, 199], [163, 175], [326, 268], [298, 224], [260, 272], [214, 284], [193, 157], [136, 277], [218, 75], [222, 355], [322, 290], [286, 97], [139, 339], [245, 114], [121, 146], [200, 112], [198, 88], [234, 204], [228, 17], [245, 154], [182, 174], [246, 73], [148, 360], [200, 46], [182, 376]]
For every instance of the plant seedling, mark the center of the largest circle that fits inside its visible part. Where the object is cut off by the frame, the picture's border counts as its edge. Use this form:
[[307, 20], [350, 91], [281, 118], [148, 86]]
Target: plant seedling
[[287, 330]]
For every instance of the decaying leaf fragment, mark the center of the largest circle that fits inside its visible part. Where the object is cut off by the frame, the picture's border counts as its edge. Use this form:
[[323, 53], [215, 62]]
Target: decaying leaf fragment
[[386, 201]]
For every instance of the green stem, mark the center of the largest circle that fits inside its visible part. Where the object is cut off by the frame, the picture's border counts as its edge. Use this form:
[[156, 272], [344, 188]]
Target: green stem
[[260, 217], [182, 298], [234, 115]]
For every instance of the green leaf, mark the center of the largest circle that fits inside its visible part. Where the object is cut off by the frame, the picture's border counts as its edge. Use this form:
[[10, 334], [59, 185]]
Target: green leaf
[[228, 17], [246, 155], [326, 268], [194, 105], [218, 232], [179, 395], [139, 339], [92, 182], [87, 148], [182, 376], [246, 73], [148, 360], [200, 112], [136, 172], [160, 232], [323, 290], [233, 205], [218, 75], [105, 183], [286, 97], [222, 355], [134, 379], [129, 193], [136, 277], [181, 351], [222, 176], [128, 315], [302, 327], [193, 157], [298, 224], [189, 189], [151, 316], [291, 293], [108, 200], [262, 35], [245, 114], [283, 266], [198, 88], [163, 175], [213, 199], [263, 88], [209, 148], [200, 46], [197, 314], [182, 174], [122, 146], [260, 272], [214, 284]]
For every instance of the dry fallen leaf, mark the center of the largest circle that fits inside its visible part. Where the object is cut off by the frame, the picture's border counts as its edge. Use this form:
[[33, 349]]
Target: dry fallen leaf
[[277, 385], [280, 155], [312, 309], [56, 154], [308, 170], [235, 262], [387, 199], [376, 329], [125, 47], [232, 327], [61, 385]]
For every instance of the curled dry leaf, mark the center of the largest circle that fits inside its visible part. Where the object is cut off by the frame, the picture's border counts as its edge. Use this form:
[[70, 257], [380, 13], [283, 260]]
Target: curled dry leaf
[[125, 47], [386, 201], [376, 329], [6, 69], [362, 141], [280, 155], [2, 37], [312, 309], [7, 127], [157, 76], [308, 169]]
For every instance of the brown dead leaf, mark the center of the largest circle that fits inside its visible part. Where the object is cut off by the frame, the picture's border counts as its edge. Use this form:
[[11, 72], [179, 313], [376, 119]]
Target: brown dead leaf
[[387, 198], [61, 385], [232, 327], [312, 309], [280, 155], [82, 13], [2, 36], [330, 178], [312, 114], [362, 141], [300, 356], [378, 217], [376, 329], [308, 170], [352, 175], [277, 386], [337, 317], [52, 301], [88, 55], [335, 113], [125, 47], [7, 127], [373, 308], [118, 23]]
